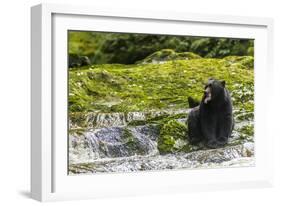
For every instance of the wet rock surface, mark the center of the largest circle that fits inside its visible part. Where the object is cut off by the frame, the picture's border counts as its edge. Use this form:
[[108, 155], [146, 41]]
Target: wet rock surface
[[130, 142], [232, 156]]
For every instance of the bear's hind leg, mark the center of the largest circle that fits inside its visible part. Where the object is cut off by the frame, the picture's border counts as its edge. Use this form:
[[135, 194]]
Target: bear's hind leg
[[194, 132]]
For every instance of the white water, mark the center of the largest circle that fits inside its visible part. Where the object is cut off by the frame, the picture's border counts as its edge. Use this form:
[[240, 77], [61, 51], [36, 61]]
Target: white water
[[101, 120], [236, 156], [103, 148], [110, 143]]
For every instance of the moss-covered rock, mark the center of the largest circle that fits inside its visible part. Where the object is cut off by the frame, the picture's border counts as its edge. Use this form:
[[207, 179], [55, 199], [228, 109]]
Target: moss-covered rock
[[168, 55], [155, 87], [247, 61], [247, 132], [75, 60], [129, 140], [172, 137], [163, 119]]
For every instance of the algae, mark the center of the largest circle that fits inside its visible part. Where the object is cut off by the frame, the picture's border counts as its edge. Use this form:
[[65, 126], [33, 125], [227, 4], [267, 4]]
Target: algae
[[145, 87], [168, 55], [172, 137]]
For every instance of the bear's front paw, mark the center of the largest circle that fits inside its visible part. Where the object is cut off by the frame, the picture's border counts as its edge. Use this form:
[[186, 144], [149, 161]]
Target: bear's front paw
[[212, 144], [222, 141], [194, 141]]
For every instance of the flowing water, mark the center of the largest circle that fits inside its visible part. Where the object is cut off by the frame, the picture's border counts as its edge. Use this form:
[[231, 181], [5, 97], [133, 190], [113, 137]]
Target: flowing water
[[108, 144]]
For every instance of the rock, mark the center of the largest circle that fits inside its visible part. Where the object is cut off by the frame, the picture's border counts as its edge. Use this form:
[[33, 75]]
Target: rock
[[100, 119], [113, 142], [75, 60], [109, 143], [248, 149], [246, 61], [80, 150], [168, 55], [232, 156], [141, 87], [216, 155], [172, 137]]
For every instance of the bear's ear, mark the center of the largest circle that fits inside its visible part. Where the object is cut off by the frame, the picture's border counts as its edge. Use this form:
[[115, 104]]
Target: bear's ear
[[223, 83]]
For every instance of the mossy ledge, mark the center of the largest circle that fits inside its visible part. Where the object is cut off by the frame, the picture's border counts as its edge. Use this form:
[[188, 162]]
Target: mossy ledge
[[173, 138], [168, 55], [146, 87]]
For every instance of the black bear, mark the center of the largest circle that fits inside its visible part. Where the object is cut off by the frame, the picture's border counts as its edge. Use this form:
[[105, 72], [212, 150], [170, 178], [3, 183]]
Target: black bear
[[212, 120]]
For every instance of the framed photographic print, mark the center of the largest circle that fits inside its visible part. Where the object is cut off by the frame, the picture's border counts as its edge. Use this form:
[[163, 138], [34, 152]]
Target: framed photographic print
[[134, 102]]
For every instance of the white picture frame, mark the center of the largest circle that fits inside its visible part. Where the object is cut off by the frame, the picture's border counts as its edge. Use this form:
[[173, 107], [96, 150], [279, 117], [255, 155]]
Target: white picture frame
[[49, 179]]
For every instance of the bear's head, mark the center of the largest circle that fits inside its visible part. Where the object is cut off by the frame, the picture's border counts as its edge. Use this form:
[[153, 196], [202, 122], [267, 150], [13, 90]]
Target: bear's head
[[214, 90]]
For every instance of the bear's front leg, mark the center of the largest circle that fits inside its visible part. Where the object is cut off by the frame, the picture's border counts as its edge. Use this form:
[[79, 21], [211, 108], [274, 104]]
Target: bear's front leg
[[225, 126], [208, 128]]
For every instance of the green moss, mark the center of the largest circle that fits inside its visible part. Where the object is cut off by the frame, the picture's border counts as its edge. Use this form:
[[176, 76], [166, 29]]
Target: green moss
[[172, 133], [145, 87], [127, 136], [153, 87], [163, 119], [174, 128], [246, 131], [131, 142], [137, 123], [188, 55], [168, 55], [78, 118], [244, 115], [244, 134], [166, 144], [77, 131], [159, 120], [247, 61]]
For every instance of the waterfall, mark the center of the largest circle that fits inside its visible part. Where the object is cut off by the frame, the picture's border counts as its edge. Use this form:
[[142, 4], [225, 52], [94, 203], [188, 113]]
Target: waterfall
[[110, 119], [233, 156], [113, 142], [107, 135], [106, 142], [100, 120]]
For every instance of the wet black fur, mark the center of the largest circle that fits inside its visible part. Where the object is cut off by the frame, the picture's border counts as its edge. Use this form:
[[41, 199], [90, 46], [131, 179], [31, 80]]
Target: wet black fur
[[213, 122]]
